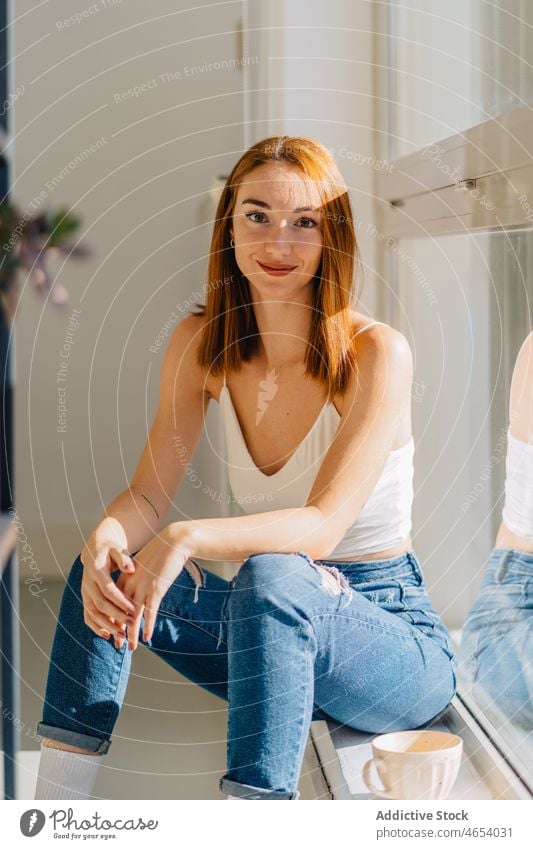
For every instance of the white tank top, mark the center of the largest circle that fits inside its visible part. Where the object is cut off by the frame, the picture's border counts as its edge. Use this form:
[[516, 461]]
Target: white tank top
[[385, 519], [517, 511]]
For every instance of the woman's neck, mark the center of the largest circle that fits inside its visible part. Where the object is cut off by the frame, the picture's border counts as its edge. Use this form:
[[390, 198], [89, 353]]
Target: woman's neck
[[284, 330]]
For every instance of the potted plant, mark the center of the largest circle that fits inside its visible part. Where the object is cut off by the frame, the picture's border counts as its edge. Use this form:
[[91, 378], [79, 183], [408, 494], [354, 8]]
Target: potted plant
[[27, 243]]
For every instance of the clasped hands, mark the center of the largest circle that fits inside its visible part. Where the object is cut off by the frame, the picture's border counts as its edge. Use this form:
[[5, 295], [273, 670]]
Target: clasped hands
[[155, 568]]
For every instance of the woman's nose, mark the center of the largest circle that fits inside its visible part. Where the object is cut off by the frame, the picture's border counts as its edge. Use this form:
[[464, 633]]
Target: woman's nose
[[279, 241]]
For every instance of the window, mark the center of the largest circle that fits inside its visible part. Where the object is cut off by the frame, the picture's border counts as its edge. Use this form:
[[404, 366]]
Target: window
[[456, 224]]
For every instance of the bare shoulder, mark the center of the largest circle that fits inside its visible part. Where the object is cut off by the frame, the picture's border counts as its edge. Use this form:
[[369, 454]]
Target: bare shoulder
[[381, 344], [383, 370]]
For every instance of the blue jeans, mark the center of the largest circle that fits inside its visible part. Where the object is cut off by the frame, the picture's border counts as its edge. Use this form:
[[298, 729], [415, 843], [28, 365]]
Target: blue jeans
[[287, 640], [497, 643]]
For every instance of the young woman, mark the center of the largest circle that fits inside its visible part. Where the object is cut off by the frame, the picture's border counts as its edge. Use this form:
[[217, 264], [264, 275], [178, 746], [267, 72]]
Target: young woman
[[497, 642], [328, 615]]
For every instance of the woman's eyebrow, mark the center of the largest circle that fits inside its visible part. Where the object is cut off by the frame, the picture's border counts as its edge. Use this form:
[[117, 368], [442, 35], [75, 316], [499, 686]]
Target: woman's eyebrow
[[267, 206]]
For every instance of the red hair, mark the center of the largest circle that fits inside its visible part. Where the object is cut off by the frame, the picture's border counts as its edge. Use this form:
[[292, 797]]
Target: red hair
[[230, 335]]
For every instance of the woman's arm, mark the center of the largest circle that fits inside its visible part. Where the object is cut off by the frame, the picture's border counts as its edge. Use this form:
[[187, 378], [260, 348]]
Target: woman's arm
[[236, 538], [131, 518], [137, 515], [375, 404], [139, 512]]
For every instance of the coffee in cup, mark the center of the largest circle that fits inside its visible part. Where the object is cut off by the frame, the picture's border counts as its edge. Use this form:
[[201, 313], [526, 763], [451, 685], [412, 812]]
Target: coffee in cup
[[415, 764]]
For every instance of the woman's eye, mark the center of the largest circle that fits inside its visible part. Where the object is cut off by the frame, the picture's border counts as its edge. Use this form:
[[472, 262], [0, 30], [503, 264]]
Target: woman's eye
[[260, 218], [307, 223], [250, 215]]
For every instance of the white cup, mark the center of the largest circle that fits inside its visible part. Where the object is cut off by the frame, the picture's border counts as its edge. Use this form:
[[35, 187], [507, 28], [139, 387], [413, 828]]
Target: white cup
[[415, 764]]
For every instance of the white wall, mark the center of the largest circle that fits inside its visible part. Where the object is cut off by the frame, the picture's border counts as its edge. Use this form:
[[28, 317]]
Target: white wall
[[141, 199]]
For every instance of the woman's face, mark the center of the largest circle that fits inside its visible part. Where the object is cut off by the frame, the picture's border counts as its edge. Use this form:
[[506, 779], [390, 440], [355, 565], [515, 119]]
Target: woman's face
[[277, 231]]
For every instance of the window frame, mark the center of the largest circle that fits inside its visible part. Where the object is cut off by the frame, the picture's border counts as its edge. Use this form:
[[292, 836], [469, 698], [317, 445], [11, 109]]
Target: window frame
[[473, 180], [486, 164]]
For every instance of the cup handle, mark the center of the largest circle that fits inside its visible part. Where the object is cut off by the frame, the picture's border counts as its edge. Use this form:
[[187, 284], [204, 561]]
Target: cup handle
[[368, 781]]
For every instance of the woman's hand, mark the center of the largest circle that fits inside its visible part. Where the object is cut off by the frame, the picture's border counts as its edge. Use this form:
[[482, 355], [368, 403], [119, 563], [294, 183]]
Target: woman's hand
[[105, 607], [157, 566]]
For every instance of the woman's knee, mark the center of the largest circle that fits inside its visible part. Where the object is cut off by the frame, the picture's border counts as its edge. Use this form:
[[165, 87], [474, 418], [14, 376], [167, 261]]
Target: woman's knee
[[295, 575], [272, 581], [268, 573]]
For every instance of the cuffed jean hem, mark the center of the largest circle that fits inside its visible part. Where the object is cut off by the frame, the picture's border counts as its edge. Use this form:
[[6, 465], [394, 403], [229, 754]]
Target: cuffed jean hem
[[74, 738], [246, 791]]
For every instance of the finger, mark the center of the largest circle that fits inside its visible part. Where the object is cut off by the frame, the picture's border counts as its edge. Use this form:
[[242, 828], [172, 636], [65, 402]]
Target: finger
[[119, 641], [110, 591], [108, 623], [92, 618], [122, 635], [106, 608], [122, 584], [97, 629], [134, 626], [102, 559], [122, 559], [102, 562], [150, 616]]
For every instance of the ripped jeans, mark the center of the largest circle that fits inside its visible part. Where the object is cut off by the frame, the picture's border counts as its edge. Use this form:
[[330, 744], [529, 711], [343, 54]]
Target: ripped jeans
[[286, 641]]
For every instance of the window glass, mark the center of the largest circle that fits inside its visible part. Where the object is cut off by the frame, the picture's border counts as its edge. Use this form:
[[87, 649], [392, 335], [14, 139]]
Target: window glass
[[454, 65], [466, 304]]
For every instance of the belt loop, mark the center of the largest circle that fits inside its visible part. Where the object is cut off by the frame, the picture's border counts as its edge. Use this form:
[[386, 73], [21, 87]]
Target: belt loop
[[502, 567], [413, 560]]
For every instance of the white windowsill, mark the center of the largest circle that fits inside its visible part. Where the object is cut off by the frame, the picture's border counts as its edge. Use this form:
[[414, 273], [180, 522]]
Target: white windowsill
[[341, 753]]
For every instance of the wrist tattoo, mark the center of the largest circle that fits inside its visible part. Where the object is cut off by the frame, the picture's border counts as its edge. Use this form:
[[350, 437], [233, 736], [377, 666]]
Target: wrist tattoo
[[150, 503]]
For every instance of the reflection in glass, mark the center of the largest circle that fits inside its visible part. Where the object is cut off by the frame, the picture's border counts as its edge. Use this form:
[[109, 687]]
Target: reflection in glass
[[465, 301], [496, 652], [442, 89]]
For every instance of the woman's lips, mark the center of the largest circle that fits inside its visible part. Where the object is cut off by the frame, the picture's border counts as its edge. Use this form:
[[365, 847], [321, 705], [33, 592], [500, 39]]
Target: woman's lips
[[276, 270]]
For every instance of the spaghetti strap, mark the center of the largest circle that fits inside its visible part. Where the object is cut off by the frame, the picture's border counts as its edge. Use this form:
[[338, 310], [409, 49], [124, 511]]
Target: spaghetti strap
[[366, 326], [224, 384]]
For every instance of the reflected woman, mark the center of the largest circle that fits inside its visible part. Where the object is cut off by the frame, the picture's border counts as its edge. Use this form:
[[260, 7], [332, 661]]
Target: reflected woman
[[496, 653]]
